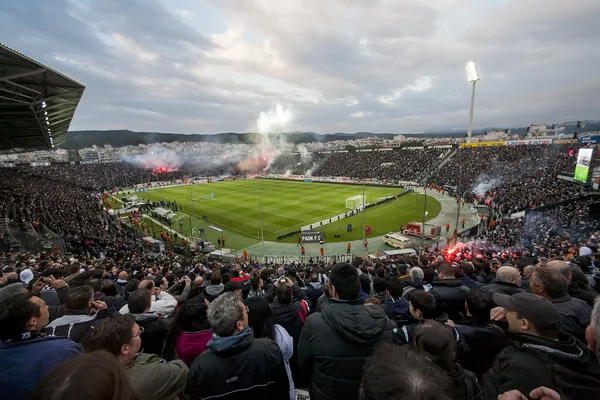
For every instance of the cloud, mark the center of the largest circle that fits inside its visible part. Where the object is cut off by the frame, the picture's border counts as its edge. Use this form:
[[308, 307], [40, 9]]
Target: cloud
[[339, 65]]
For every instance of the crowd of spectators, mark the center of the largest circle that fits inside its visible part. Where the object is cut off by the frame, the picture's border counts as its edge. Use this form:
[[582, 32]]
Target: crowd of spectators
[[474, 324]]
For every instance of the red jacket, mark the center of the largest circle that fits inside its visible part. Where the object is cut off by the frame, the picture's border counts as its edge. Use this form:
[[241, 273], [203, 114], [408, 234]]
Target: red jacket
[[190, 344]]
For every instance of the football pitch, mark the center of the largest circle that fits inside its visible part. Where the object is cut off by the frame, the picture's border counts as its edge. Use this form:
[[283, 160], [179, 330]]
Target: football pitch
[[235, 210]]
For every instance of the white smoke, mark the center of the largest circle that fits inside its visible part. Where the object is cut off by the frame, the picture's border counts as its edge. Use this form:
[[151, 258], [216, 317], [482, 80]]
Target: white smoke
[[156, 157], [288, 172], [305, 155], [484, 183]]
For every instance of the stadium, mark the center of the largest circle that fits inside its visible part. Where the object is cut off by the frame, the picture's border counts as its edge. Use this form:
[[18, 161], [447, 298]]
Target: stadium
[[338, 246]]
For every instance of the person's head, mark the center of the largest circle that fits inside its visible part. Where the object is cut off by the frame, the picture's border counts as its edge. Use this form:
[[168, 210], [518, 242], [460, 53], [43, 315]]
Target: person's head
[[399, 373], [74, 268], [148, 283], [259, 318], [509, 275], [379, 285], [120, 336], [592, 333], [578, 278], [380, 272], [468, 269], [20, 314], [531, 314], [528, 270], [96, 285], [190, 316], [394, 287], [416, 274], [11, 290], [428, 274], [227, 315], [257, 283], [561, 267], [80, 298], [139, 301], [495, 264], [71, 380], [345, 284], [446, 271], [215, 278], [123, 275], [421, 304], [478, 305], [161, 283], [283, 292], [548, 283], [436, 341], [109, 288]]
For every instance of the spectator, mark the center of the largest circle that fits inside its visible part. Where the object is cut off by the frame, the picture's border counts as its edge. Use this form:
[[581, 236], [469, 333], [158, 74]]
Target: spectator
[[484, 340], [336, 342], [573, 289], [449, 292], [109, 294], [82, 313], [314, 290], [163, 304], [527, 271], [436, 342], [379, 290], [150, 377], [575, 313], [235, 361], [400, 373], [121, 283], [508, 281], [70, 380], [469, 279], [155, 329], [259, 319], [183, 286], [26, 353], [395, 306], [216, 286], [538, 353], [416, 281], [190, 330], [257, 287]]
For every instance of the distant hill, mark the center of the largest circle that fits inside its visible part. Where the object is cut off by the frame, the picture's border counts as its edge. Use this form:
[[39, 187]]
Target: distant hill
[[118, 138]]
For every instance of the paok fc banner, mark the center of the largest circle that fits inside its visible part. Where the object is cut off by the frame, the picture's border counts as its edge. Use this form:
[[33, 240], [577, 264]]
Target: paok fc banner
[[312, 236]]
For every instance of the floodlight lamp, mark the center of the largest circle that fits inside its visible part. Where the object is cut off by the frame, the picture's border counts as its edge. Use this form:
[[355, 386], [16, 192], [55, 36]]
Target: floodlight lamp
[[472, 72], [47, 123], [43, 104], [45, 112], [46, 118]]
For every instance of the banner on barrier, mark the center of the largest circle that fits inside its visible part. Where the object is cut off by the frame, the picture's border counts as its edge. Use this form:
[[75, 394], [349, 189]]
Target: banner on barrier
[[535, 142], [482, 144]]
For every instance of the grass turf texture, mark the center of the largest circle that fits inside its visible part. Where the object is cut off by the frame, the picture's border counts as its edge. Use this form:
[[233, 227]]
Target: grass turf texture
[[287, 206]]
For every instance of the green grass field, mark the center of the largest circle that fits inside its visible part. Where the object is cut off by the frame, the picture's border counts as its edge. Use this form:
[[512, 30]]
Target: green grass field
[[286, 206]]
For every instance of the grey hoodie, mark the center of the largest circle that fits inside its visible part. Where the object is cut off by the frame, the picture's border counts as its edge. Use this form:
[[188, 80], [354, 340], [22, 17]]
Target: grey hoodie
[[215, 290]]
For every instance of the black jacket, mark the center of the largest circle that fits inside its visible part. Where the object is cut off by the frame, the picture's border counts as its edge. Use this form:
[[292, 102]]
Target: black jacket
[[575, 315], [75, 324], [581, 294], [239, 367], [528, 362], [336, 343], [484, 341], [155, 333], [314, 290], [501, 287], [450, 296]]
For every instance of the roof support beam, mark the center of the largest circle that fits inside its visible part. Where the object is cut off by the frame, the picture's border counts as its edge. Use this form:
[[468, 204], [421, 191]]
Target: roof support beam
[[14, 100], [24, 87], [16, 93], [22, 74]]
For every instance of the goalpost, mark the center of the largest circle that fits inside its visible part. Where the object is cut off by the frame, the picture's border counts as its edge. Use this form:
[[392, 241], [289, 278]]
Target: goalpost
[[355, 202]]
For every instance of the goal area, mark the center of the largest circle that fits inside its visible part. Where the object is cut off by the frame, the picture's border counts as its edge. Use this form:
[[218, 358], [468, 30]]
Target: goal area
[[355, 202]]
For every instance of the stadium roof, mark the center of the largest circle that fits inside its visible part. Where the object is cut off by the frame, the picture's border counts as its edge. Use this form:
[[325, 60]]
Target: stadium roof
[[37, 103]]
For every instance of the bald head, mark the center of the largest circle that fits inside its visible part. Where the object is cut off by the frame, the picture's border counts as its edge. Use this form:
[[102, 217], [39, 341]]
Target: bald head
[[561, 267], [123, 275], [528, 270], [509, 275], [199, 281]]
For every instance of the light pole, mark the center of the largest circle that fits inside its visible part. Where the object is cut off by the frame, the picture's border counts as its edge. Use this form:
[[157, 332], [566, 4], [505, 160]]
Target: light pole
[[472, 76]]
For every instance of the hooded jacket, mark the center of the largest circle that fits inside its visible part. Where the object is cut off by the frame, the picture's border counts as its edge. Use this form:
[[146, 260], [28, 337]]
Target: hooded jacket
[[418, 285], [286, 345], [239, 366], [189, 345], [213, 291], [336, 343], [575, 313], [314, 290], [153, 378], [155, 333], [528, 362], [396, 309], [450, 297], [24, 363], [484, 341], [501, 287], [120, 285]]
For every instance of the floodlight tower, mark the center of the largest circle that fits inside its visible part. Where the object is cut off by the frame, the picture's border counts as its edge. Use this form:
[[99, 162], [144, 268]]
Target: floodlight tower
[[472, 76], [280, 120]]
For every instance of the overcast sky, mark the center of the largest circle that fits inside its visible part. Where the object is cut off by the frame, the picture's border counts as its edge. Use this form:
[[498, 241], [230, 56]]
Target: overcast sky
[[206, 66]]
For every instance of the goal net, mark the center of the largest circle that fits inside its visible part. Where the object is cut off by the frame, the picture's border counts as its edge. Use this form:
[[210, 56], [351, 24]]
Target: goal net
[[355, 202]]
